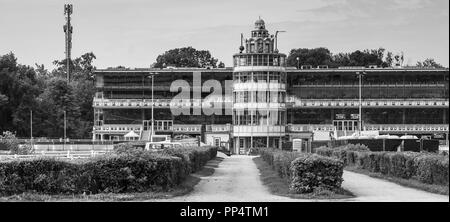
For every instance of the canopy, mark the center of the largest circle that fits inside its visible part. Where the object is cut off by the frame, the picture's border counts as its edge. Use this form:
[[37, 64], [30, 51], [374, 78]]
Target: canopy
[[408, 137], [131, 134]]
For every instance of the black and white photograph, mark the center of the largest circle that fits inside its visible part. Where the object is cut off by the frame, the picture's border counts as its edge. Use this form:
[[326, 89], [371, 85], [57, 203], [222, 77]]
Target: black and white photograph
[[224, 101]]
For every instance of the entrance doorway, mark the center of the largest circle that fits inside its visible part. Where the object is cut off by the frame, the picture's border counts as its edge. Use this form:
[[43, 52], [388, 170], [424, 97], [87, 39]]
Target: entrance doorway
[[346, 125]]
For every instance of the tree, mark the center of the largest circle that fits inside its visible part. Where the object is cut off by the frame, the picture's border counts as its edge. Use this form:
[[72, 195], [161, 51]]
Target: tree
[[313, 57], [18, 89], [389, 60], [429, 63], [81, 67], [186, 57], [47, 94], [323, 56]]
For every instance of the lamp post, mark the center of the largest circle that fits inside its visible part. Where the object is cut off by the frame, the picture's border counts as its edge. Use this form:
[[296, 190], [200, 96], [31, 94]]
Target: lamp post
[[152, 75], [360, 76], [276, 40], [298, 62]]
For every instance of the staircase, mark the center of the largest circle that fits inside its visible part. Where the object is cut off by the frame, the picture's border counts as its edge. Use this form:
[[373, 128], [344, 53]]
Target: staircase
[[145, 135]]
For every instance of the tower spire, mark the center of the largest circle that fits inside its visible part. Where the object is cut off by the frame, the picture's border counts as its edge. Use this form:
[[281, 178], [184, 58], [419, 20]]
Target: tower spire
[[68, 9]]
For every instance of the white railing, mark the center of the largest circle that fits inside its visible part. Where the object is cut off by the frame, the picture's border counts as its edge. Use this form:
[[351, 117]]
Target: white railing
[[377, 103], [407, 127], [56, 154], [257, 86], [375, 127], [260, 106], [143, 103], [312, 127], [218, 128], [120, 128], [187, 128], [258, 130]]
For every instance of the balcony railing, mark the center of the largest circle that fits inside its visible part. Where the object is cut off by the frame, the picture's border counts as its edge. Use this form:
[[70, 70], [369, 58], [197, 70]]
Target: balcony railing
[[162, 103], [314, 127], [366, 85], [260, 130], [187, 128], [218, 128], [376, 103], [252, 86], [407, 127], [397, 128]]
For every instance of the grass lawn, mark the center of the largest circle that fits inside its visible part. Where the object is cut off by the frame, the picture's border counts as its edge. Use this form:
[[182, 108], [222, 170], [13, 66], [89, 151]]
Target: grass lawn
[[412, 183], [186, 187], [279, 186]]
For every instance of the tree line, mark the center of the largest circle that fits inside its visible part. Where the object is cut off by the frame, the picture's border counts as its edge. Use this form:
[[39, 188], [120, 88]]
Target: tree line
[[47, 94], [378, 57], [25, 89]]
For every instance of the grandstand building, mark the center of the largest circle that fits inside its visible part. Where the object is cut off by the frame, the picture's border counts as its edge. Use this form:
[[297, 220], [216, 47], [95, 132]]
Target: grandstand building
[[269, 103]]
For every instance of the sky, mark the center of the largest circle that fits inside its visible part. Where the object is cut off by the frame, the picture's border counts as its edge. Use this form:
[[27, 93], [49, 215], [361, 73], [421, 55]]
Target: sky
[[132, 33]]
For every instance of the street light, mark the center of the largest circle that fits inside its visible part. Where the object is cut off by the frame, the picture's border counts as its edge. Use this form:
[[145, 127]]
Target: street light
[[298, 62], [152, 75], [276, 40], [360, 76]]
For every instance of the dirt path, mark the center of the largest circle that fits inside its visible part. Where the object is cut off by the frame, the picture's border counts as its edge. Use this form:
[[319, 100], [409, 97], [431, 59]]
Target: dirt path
[[370, 189], [236, 179]]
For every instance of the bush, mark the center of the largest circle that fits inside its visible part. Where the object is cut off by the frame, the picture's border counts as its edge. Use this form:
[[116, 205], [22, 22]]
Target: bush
[[429, 168], [312, 171], [129, 148], [8, 141], [305, 172], [195, 156], [324, 151], [119, 172], [432, 169]]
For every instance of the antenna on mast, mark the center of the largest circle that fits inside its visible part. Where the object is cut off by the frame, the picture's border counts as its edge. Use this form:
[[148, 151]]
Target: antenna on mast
[[68, 29]]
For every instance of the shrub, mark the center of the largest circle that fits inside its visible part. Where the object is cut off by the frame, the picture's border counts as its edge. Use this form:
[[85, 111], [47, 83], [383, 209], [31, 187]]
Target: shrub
[[8, 141], [429, 168], [432, 169], [312, 171], [305, 172], [324, 151], [129, 148], [133, 171], [195, 156]]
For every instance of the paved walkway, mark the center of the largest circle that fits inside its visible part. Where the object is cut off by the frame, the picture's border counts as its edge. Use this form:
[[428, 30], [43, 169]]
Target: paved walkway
[[370, 189], [236, 179]]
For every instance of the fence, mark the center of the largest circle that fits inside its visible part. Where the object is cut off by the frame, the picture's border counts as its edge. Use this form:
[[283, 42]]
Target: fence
[[55, 154]]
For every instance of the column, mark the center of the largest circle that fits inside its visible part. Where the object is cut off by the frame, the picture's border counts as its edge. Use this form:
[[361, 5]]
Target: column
[[444, 119]]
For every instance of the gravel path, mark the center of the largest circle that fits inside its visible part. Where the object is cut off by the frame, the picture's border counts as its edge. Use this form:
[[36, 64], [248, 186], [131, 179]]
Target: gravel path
[[370, 189], [236, 179]]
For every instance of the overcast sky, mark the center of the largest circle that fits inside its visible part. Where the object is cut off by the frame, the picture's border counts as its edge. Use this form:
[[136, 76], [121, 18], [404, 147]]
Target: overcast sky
[[133, 33]]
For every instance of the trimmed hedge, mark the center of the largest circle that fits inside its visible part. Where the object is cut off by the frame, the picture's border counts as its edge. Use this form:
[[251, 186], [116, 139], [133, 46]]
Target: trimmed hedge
[[305, 172], [311, 171], [428, 168], [196, 157], [134, 171]]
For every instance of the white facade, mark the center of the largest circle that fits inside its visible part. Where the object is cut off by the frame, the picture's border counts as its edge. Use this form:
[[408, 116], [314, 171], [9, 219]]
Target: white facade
[[259, 93]]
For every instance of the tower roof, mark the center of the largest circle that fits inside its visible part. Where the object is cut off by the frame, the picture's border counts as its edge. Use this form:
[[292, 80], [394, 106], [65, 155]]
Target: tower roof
[[260, 24]]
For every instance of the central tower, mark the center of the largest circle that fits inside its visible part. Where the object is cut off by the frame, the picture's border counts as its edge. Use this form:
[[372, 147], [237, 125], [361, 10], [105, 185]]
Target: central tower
[[259, 92]]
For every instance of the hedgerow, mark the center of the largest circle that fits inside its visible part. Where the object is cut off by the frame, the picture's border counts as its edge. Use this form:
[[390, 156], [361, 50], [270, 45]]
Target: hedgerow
[[305, 172], [426, 167], [120, 172]]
